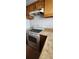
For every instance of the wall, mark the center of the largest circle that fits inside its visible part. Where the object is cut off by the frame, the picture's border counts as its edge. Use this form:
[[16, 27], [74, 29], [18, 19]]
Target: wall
[[27, 24], [30, 1], [39, 22]]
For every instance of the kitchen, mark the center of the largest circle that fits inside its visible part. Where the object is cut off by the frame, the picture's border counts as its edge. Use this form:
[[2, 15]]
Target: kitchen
[[39, 29]]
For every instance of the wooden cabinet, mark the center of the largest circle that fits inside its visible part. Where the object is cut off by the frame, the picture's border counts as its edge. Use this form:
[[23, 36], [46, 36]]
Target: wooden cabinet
[[39, 4], [34, 6], [42, 41], [30, 8], [27, 13], [46, 4], [48, 9]]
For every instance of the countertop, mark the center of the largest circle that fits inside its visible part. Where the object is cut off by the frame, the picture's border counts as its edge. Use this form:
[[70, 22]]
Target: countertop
[[47, 50]]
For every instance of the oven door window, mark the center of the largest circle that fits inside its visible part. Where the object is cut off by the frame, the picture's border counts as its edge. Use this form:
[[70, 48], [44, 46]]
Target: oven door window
[[32, 39]]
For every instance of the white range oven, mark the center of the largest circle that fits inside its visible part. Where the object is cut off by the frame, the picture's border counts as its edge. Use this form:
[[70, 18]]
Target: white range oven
[[33, 38]]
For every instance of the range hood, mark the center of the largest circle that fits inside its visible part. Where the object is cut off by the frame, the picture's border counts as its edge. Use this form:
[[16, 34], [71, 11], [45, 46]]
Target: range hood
[[36, 12]]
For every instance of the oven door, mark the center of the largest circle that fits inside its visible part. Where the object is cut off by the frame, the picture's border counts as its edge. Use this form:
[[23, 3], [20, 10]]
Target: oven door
[[33, 41]]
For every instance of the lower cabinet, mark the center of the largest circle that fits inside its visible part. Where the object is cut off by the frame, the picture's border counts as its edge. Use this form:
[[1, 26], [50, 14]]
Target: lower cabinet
[[42, 41]]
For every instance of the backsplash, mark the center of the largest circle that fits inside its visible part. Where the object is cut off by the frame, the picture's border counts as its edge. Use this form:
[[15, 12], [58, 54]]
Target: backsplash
[[39, 22], [27, 24]]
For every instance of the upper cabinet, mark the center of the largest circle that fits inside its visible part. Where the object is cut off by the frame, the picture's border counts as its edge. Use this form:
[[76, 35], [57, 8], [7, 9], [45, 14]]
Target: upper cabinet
[[46, 4], [48, 9], [27, 13], [40, 4]]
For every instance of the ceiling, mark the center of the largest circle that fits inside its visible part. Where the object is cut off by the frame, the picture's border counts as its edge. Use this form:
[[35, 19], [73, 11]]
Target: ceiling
[[29, 2]]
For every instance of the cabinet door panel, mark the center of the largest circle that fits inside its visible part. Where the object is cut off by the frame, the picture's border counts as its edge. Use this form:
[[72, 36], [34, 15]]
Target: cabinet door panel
[[34, 6], [48, 8], [27, 13], [38, 5]]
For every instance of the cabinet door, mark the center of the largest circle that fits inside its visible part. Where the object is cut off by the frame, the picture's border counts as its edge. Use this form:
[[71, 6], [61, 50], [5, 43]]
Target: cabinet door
[[48, 12], [37, 5], [34, 6], [40, 4], [27, 13], [42, 41], [29, 8]]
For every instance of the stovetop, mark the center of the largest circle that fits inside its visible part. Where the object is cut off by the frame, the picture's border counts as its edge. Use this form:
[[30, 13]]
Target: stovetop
[[36, 30]]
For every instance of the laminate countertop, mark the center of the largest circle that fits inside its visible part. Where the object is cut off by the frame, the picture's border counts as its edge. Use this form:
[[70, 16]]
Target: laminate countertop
[[47, 51]]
